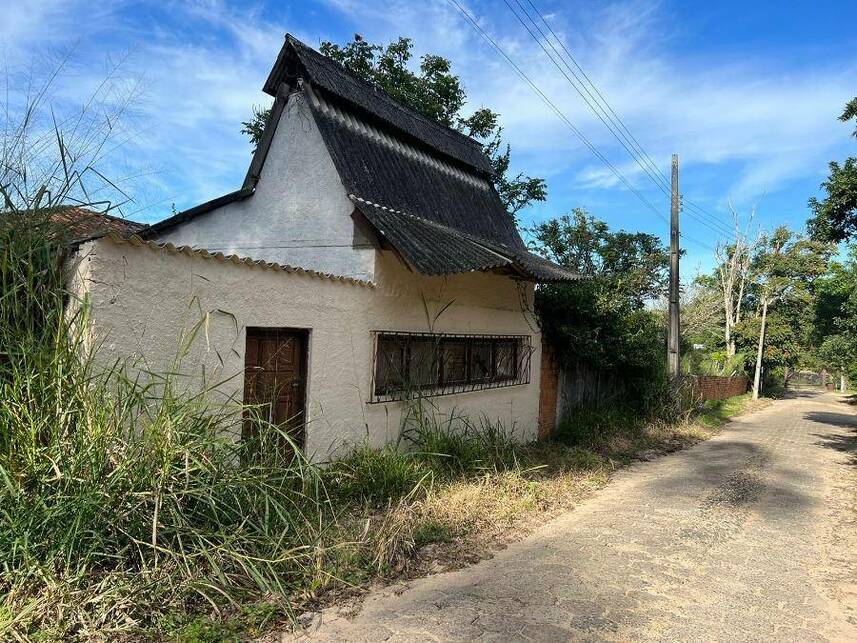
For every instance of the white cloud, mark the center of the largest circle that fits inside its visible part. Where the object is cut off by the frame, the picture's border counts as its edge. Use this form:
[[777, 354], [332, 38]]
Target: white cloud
[[767, 125], [757, 125]]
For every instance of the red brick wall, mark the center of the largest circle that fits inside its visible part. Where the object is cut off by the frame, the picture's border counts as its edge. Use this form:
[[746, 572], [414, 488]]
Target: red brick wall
[[548, 391], [714, 387]]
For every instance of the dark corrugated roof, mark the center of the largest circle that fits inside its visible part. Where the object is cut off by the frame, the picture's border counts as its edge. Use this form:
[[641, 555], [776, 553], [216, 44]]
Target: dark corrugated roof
[[334, 78], [425, 188], [541, 269], [430, 248], [384, 170], [434, 249]]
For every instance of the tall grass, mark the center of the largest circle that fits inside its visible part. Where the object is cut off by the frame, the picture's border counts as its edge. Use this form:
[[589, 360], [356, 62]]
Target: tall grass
[[125, 500], [122, 499], [127, 506], [454, 443]]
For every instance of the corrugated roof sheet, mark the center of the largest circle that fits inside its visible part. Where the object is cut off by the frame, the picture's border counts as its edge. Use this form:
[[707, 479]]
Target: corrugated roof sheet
[[334, 78], [381, 169], [200, 253], [434, 249], [430, 248]]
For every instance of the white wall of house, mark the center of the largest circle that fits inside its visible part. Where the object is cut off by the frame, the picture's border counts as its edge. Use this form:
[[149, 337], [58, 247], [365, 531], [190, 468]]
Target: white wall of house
[[143, 300], [299, 215]]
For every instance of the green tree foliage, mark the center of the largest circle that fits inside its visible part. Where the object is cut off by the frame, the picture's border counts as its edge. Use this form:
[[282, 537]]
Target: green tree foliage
[[835, 216], [835, 317], [785, 268], [603, 321], [782, 347], [435, 92], [634, 265]]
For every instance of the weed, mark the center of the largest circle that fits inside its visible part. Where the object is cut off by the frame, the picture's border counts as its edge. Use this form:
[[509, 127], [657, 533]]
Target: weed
[[432, 531], [377, 476]]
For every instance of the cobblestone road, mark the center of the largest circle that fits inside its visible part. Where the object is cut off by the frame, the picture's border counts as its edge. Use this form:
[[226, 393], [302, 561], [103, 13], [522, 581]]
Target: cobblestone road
[[749, 536]]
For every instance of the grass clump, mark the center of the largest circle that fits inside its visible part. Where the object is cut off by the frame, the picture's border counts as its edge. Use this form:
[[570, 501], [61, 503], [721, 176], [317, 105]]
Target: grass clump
[[454, 444], [716, 413], [376, 475]]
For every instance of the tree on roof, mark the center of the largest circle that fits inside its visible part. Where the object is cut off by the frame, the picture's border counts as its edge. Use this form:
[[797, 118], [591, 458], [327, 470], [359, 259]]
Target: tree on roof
[[435, 92]]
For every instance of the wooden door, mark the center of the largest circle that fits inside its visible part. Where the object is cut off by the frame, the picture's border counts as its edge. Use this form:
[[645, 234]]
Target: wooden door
[[275, 379]]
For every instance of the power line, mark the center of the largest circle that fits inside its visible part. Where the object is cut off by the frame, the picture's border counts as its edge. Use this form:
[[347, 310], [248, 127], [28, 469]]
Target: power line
[[598, 92], [602, 109], [596, 107], [475, 24], [556, 110]]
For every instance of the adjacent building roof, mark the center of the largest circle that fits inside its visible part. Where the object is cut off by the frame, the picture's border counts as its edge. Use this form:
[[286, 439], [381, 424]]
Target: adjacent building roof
[[425, 188], [83, 223]]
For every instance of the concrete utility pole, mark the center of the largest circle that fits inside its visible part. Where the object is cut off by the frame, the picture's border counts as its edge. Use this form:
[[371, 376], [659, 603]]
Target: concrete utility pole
[[674, 341]]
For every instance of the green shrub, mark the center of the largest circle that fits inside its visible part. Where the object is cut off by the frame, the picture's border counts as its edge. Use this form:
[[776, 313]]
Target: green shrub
[[453, 444], [591, 425], [122, 499], [376, 475]]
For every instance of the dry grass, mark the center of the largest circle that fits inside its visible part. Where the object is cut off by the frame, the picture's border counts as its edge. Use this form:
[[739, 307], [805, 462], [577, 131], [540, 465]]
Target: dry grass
[[462, 519]]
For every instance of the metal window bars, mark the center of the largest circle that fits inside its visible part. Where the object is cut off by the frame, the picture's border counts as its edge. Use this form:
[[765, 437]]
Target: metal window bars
[[409, 365]]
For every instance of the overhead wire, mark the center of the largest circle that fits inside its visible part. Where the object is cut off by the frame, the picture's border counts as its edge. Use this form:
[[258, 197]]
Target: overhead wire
[[580, 135], [576, 131], [611, 114], [603, 112]]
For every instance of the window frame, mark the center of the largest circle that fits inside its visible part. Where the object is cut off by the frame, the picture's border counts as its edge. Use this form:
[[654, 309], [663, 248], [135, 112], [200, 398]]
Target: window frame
[[520, 375]]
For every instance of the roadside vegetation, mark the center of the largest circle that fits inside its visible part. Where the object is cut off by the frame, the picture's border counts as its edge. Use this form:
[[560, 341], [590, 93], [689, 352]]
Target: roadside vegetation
[[128, 510]]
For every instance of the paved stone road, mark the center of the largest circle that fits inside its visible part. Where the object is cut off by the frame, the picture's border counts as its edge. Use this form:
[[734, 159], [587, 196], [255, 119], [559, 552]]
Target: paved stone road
[[749, 536]]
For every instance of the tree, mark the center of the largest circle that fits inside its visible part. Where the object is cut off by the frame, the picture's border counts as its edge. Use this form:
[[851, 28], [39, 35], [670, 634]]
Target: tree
[[435, 92], [734, 261], [784, 266], [839, 351], [835, 318], [632, 265], [835, 217], [702, 328], [603, 321]]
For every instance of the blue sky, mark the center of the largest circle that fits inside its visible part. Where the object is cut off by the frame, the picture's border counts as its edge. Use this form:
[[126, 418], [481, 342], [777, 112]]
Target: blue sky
[[746, 93]]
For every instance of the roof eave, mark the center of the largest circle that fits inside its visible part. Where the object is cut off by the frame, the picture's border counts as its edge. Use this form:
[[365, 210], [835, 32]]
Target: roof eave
[[191, 213]]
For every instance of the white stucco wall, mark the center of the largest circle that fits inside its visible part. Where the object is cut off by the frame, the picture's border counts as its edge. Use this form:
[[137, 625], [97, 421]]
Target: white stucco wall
[[143, 300], [300, 213]]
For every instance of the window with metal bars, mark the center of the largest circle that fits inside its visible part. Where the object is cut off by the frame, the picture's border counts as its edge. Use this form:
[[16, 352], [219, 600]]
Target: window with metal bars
[[411, 365]]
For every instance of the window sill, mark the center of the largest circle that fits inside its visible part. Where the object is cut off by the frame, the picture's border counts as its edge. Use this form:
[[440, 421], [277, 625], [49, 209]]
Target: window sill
[[399, 396]]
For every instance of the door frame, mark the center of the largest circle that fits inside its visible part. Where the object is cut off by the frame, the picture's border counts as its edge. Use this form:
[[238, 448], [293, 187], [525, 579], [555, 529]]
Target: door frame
[[304, 335]]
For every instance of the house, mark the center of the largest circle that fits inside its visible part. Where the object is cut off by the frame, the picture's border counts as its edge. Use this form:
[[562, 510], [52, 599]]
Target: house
[[366, 260]]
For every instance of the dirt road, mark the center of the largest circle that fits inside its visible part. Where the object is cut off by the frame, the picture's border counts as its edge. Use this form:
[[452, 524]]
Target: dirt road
[[749, 536]]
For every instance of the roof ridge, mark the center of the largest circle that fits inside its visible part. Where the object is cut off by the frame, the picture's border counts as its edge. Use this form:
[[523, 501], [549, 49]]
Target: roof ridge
[[390, 136], [386, 95], [297, 60]]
